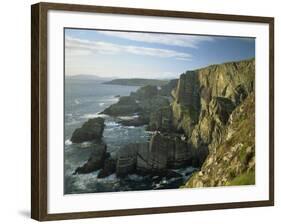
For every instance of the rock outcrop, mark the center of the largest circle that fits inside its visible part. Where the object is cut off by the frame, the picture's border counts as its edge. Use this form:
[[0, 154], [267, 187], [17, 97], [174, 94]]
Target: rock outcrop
[[109, 167], [161, 120], [161, 153], [126, 160], [142, 103], [90, 130], [96, 160], [145, 92], [124, 107]]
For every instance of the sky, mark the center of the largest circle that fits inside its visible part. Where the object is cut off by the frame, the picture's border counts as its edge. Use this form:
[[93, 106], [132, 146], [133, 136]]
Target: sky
[[148, 55]]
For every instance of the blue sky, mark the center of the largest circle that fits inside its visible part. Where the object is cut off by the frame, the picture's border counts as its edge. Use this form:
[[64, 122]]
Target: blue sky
[[148, 55]]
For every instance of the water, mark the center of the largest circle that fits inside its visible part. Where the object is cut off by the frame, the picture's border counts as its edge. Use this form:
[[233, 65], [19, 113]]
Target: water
[[84, 99]]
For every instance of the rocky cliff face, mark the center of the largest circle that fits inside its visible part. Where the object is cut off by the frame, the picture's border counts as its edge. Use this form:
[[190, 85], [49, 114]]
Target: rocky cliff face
[[232, 161], [220, 95], [201, 91]]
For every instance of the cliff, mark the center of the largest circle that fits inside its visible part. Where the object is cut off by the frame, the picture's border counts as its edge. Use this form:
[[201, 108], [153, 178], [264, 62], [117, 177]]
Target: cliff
[[214, 108], [200, 92], [232, 162]]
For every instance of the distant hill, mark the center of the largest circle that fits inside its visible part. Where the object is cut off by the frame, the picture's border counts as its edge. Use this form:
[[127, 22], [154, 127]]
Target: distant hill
[[137, 82], [89, 77]]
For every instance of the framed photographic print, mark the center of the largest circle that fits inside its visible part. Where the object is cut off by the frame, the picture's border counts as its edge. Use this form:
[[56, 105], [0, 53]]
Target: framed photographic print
[[139, 111]]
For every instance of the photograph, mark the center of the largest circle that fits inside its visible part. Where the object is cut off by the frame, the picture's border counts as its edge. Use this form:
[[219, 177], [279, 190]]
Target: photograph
[[152, 111]]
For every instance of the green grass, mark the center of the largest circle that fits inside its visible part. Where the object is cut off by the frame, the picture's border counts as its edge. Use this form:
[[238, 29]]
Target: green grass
[[247, 178]]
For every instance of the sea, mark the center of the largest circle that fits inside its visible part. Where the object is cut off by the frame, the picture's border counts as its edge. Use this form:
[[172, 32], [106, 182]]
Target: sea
[[85, 99]]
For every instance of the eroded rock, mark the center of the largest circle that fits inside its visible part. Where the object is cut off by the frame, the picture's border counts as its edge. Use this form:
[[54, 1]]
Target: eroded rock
[[109, 168], [96, 160], [90, 130], [125, 106]]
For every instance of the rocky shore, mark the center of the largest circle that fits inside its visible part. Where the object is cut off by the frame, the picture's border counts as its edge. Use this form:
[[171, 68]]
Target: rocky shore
[[195, 122]]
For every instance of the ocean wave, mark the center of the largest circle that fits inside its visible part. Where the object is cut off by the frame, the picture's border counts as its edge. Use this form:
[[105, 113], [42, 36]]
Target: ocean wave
[[101, 104], [82, 180], [111, 99], [86, 181], [111, 124], [85, 145], [88, 116], [110, 178], [76, 101], [132, 127], [68, 142], [126, 118]]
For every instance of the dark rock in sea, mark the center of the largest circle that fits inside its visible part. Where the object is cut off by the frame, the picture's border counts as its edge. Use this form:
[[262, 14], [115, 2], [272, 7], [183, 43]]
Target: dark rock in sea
[[108, 168], [125, 106], [96, 160], [181, 155], [90, 130], [126, 160], [158, 151], [142, 102], [117, 96], [154, 158], [164, 152]]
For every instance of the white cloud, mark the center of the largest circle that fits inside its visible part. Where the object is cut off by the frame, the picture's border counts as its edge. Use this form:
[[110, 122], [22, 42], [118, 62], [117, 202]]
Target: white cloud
[[76, 47], [191, 41]]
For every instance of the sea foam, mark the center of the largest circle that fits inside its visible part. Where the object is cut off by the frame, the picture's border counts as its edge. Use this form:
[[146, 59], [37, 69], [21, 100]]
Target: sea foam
[[68, 142], [88, 116]]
